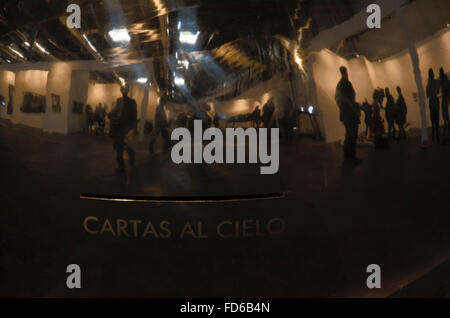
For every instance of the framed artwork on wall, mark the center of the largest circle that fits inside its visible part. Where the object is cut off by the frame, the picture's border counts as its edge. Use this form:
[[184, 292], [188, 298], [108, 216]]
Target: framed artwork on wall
[[33, 103], [56, 103]]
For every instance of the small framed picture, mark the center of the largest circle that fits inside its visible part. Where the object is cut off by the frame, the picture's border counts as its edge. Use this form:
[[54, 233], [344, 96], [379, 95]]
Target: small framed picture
[[56, 103]]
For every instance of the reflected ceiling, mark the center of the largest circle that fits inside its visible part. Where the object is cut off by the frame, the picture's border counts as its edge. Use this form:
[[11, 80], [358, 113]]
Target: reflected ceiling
[[23, 23], [205, 46]]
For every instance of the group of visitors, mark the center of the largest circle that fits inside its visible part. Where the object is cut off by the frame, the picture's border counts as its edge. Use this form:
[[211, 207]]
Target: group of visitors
[[395, 113], [95, 121]]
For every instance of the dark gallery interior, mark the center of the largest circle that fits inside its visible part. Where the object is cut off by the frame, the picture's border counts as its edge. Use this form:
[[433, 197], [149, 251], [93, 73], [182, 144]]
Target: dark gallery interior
[[352, 93]]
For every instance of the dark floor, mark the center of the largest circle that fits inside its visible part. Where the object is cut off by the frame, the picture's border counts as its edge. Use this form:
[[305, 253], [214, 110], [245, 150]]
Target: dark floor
[[392, 210]]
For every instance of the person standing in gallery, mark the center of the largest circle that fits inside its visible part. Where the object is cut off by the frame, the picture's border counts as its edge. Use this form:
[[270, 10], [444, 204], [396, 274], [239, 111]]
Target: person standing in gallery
[[377, 125], [268, 110], [256, 116], [390, 113], [368, 110], [433, 100], [400, 114], [161, 125], [349, 115], [123, 119], [89, 119], [291, 119], [445, 102]]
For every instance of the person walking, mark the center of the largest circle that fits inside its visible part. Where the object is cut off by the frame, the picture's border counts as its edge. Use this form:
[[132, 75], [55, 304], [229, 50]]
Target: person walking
[[268, 110], [123, 118]]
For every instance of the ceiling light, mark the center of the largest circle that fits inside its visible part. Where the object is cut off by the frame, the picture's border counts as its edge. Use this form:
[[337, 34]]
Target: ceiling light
[[311, 109], [27, 44], [298, 60], [41, 48], [188, 37], [142, 80], [185, 63], [179, 81], [120, 35], [89, 43], [17, 52]]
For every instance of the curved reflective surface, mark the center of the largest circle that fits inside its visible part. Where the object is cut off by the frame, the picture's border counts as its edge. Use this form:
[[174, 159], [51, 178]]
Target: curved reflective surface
[[289, 144]]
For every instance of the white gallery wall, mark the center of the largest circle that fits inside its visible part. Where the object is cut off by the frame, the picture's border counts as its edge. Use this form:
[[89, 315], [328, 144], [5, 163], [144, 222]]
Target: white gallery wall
[[71, 85], [257, 95], [366, 76], [30, 81], [78, 93], [103, 93], [59, 84]]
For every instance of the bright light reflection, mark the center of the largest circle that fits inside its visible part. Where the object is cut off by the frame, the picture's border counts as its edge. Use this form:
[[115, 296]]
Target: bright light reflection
[[17, 52], [179, 81], [89, 43], [41, 48], [188, 37], [119, 35]]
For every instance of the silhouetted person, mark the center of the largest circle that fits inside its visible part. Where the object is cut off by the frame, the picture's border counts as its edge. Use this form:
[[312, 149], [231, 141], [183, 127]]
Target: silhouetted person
[[443, 80], [349, 115], [268, 110], [377, 125], [89, 118], [99, 118], [290, 117], [181, 121], [123, 119], [378, 96], [400, 113], [160, 126], [367, 109], [256, 117], [390, 113], [433, 100]]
